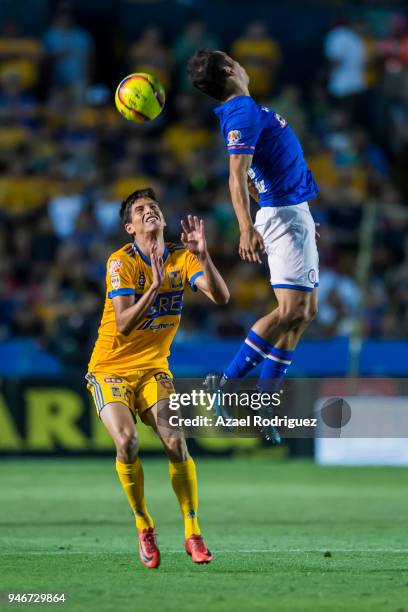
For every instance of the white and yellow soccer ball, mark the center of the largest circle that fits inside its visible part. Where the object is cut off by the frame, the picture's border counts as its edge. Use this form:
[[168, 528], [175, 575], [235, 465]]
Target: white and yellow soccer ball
[[140, 97]]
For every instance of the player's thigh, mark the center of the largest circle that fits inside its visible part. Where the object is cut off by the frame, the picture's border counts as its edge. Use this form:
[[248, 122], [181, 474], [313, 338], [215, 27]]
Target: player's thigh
[[120, 424], [153, 406], [294, 304], [314, 303], [159, 418]]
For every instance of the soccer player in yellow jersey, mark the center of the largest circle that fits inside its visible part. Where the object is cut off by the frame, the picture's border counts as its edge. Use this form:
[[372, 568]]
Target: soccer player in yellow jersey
[[128, 372]]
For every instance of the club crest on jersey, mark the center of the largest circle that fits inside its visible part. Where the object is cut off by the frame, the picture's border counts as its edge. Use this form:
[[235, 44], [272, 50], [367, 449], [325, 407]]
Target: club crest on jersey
[[312, 275], [161, 375], [175, 278], [164, 380], [116, 392], [281, 120], [234, 136], [114, 266], [142, 281]]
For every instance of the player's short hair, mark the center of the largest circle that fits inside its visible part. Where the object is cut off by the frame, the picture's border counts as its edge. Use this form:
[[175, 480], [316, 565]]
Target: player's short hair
[[206, 71], [126, 206]]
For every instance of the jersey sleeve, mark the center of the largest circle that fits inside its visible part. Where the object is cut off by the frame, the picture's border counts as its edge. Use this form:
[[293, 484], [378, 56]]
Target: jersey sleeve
[[120, 277], [194, 270], [242, 129]]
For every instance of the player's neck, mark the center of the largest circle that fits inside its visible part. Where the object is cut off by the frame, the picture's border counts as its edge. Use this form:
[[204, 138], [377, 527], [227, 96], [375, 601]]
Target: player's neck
[[146, 242], [241, 91]]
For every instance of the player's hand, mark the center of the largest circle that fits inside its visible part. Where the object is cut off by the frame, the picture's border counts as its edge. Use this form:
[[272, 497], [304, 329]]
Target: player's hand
[[251, 245], [157, 267], [193, 236]]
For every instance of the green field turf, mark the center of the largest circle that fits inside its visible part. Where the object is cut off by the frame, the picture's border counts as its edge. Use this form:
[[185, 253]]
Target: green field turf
[[286, 536]]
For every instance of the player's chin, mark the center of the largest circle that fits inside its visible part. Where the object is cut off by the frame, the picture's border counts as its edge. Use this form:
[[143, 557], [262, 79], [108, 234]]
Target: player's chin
[[153, 224]]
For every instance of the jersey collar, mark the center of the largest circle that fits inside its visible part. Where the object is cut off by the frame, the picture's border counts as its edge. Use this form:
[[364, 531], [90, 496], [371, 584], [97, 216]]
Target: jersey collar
[[218, 110], [146, 259]]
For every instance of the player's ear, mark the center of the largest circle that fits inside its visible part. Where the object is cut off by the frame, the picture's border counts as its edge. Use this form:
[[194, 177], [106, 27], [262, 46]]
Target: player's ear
[[129, 229]]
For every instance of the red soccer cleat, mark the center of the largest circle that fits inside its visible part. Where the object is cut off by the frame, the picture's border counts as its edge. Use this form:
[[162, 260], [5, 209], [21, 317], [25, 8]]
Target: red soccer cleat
[[148, 549], [197, 549]]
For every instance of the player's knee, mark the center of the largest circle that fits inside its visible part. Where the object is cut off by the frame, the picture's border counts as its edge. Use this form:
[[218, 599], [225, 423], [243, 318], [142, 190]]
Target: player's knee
[[176, 449], [126, 446], [293, 317]]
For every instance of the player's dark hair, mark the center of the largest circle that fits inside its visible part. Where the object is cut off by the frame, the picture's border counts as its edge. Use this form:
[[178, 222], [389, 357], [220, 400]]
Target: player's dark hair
[[206, 71], [127, 204]]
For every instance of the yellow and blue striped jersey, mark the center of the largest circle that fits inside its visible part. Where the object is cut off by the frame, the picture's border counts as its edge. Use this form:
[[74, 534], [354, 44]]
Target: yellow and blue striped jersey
[[147, 346]]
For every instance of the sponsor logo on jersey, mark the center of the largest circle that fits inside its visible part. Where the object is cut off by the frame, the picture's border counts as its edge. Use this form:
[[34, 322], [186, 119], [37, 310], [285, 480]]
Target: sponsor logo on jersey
[[149, 324], [280, 119], [167, 304], [176, 280], [114, 266], [260, 186], [234, 136], [115, 281], [111, 379]]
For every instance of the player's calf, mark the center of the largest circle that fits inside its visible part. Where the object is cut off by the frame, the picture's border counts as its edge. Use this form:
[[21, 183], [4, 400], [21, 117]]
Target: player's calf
[[176, 448]]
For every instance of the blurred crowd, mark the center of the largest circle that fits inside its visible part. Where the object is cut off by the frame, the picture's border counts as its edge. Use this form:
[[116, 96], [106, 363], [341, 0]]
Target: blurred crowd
[[68, 158]]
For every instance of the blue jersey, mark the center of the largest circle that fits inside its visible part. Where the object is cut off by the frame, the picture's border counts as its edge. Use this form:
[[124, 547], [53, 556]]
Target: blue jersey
[[278, 168]]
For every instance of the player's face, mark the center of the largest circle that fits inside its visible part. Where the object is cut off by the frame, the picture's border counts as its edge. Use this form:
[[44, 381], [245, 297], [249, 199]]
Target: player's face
[[238, 72], [146, 217]]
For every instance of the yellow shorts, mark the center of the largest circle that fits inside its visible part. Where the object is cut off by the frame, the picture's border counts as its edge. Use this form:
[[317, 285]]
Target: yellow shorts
[[139, 390]]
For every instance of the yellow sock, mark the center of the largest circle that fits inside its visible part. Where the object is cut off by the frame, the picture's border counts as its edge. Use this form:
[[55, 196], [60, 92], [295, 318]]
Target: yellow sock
[[132, 479], [183, 478]]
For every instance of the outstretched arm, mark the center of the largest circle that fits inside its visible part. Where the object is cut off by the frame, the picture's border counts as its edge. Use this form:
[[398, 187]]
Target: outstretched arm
[[211, 282], [251, 244]]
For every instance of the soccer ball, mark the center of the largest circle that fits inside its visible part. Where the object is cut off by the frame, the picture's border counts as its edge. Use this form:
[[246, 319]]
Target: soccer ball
[[140, 97]]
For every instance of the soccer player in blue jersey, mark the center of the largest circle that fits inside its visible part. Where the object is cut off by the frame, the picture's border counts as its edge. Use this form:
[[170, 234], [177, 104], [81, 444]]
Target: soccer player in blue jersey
[[265, 161]]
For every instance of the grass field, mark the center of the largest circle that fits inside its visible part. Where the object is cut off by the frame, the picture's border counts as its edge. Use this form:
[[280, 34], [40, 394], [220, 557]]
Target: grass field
[[286, 536]]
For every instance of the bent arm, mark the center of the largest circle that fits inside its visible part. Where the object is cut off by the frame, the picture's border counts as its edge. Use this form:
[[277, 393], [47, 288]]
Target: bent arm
[[129, 313], [211, 282], [238, 185]]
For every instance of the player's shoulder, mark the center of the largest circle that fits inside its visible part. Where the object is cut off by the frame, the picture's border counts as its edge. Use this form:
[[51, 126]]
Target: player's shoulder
[[176, 248], [242, 110], [125, 255], [243, 104], [177, 251]]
